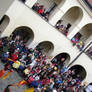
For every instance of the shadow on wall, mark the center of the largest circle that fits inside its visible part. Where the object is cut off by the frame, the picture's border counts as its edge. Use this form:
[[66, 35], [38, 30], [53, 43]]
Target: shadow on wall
[[4, 22]]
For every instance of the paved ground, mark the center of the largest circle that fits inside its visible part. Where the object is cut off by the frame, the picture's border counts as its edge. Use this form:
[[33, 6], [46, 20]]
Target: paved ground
[[13, 78]]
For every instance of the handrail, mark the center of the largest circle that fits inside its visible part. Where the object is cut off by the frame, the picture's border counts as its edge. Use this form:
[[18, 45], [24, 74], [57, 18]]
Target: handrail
[[79, 54]]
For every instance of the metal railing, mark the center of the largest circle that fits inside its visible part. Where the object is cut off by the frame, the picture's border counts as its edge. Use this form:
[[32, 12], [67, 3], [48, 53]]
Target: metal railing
[[79, 54]]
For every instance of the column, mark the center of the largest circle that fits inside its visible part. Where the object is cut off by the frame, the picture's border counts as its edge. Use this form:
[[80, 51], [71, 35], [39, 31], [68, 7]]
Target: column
[[73, 32], [57, 15], [30, 3]]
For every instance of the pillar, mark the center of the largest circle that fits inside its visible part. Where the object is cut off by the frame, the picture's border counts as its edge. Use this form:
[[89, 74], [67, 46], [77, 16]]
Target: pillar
[[73, 32], [57, 15], [30, 3]]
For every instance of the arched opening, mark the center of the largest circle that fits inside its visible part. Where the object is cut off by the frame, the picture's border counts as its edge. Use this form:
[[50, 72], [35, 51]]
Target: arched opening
[[25, 33], [46, 47], [70, 19], [48, 6], [73, 16], [86, 33], [61, 60], [79, 72], [4, 23]]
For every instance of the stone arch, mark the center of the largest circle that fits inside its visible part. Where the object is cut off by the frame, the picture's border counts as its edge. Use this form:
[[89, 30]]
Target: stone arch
[[79, 72], [58, 59], [86, 32], [46, 47], [25, 33], [73, 16], [4, 22]]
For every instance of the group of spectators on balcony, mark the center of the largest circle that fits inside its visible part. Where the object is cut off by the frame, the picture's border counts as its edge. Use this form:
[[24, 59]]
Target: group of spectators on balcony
[[62, 28], [40, 9], [35, 67], [76, 40]]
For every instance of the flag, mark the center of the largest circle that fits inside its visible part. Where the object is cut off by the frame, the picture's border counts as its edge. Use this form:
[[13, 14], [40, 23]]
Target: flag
[[2, 72], [11, 60], [29, 90], [21, 83], [7, 74]]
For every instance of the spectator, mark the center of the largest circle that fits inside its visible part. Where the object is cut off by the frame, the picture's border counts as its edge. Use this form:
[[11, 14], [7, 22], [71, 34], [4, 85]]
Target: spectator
[[58, 24], [41, 10], [35, 7], [80, 45]]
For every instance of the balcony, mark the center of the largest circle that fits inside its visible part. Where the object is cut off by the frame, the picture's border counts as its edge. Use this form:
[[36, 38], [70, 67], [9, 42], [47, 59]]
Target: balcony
[[87, 4]]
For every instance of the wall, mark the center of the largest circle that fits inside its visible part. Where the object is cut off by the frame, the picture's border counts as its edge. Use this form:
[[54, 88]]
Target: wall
[[4, 5]]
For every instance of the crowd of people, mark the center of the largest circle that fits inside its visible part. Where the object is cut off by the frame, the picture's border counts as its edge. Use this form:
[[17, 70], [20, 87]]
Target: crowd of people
[[34, 67], [76, 40], [62, 28], [40, 9]]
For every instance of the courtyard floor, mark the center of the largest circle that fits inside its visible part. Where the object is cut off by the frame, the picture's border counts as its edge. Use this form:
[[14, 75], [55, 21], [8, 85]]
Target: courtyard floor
[[12, 78]]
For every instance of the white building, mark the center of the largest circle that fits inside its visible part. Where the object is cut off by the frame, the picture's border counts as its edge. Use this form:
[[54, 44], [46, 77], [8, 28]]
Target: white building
[[18, 16]]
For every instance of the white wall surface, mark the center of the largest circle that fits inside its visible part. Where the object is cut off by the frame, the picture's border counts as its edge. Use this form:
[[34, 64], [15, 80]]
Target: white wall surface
[[4, 5]]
